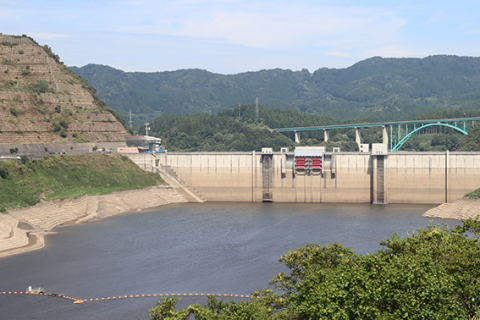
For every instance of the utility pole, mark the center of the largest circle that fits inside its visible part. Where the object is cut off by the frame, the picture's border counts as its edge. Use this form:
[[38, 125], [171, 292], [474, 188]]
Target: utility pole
[[130, 122], [256, 109], [146, 128]]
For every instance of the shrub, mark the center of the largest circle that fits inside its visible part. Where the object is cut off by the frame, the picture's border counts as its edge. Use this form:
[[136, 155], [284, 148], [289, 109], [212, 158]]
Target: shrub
[[475, 194], [8, 62], [64, 124], [56, 127], [3, 173], [40, 87], [50, 53]]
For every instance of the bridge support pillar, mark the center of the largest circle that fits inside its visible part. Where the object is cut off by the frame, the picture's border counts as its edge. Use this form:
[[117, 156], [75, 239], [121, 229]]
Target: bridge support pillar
[[384, 135], [326, 135], [358, 137], [297, 136]]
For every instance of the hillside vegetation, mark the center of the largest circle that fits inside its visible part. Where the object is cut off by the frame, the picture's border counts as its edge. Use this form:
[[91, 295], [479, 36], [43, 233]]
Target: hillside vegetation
[[68, 176], [237, 130], [382, 89], [42, 101]]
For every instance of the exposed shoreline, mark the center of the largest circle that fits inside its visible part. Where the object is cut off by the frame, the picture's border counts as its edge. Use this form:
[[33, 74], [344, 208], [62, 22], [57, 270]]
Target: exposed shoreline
[[23, 230], [460, 209]]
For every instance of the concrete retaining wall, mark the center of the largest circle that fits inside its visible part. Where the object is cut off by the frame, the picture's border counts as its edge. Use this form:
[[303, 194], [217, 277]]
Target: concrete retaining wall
[[426, 177]]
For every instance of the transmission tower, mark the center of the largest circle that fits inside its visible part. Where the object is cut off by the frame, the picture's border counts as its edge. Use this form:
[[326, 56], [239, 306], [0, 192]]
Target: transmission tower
[[256, 109]]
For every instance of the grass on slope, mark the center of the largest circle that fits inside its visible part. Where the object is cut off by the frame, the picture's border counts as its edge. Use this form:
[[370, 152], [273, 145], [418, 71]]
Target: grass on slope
[[474, 195], [69, 176]]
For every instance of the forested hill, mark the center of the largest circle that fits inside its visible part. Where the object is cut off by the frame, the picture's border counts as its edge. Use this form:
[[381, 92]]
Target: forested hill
[[236, 130], [378, 88]]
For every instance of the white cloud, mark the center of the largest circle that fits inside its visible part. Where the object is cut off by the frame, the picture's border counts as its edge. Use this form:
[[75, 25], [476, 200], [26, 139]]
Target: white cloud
[[397, 51], [235, 35], [262, 24], [48, 36]]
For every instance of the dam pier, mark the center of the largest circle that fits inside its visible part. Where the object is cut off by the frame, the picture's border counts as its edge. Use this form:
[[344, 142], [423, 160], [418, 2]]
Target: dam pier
[[377, 177]]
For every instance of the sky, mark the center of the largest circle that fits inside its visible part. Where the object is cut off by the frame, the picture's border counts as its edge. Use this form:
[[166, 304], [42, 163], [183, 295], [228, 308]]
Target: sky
[[236, 36]]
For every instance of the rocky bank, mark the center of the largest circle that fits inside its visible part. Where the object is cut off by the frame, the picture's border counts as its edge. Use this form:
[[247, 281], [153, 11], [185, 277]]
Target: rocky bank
[[24, 229], [460, 209]]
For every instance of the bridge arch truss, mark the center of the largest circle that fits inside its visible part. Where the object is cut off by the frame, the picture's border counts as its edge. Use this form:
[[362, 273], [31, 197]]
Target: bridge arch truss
[[400, 133]]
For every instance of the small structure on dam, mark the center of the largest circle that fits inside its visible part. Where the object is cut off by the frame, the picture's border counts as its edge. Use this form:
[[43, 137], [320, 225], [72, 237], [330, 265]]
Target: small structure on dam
[[139, 144], [308, 160]]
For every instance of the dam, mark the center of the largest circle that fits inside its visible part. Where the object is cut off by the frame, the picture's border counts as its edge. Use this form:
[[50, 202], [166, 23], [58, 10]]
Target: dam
[[344, 177]]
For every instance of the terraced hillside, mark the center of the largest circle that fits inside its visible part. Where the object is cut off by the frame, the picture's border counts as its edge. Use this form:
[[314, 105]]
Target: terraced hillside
[[41, 101]]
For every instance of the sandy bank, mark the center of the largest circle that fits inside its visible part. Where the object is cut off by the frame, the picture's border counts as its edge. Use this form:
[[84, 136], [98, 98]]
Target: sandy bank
[[23, 230], [460, 209]]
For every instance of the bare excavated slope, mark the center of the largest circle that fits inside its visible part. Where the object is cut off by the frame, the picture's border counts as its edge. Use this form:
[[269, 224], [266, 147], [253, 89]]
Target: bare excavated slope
[[41, 101]]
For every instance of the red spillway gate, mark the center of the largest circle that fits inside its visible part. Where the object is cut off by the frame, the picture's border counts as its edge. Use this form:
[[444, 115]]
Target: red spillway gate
[[317, 164], [300, 163]]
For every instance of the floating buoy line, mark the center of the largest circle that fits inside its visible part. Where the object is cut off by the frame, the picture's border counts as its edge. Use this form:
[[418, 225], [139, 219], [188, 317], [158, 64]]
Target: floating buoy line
[[80, 301]]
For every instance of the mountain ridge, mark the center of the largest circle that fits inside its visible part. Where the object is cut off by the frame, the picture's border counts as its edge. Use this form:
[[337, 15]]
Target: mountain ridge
[[379, 88]]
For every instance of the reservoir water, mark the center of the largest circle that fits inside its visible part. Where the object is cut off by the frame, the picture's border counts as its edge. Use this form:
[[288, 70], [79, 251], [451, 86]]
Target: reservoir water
[[228, 248]]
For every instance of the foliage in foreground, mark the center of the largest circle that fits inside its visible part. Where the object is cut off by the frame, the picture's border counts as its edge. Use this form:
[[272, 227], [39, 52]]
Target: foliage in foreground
[[433, 273], [68, 176]]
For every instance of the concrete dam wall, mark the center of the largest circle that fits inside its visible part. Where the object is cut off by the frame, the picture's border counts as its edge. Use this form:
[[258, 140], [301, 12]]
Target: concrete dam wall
[[400, 177]]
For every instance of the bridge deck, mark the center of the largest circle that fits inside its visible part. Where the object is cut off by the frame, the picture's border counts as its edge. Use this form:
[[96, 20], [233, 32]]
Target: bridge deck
[[378, 124]]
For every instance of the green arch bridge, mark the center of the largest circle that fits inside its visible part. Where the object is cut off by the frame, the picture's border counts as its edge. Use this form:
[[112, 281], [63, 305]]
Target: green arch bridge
[[395, 134]]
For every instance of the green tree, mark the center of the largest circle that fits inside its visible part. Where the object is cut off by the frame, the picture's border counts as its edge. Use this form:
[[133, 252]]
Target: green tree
[[24, 159], [472, 141], [255, 309], [432, 273]]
